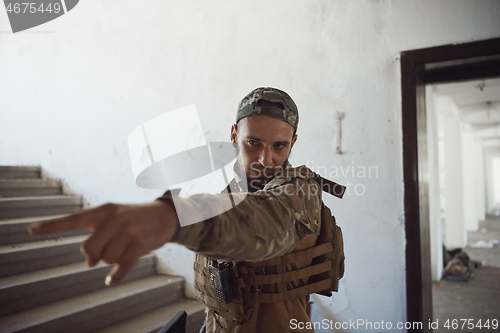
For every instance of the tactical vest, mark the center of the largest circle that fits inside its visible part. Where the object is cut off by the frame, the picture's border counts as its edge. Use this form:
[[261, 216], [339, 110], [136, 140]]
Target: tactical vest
[[271, 281]]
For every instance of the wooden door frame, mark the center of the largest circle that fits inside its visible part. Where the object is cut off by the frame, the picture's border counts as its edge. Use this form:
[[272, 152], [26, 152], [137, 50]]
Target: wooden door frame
[[447, 63]]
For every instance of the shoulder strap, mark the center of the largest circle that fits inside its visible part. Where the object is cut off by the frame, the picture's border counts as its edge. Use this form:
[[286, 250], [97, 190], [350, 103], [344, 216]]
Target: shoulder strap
[[328, 186]]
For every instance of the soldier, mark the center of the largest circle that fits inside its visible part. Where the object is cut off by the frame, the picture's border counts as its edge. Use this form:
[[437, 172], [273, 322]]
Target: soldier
[[253, 262]]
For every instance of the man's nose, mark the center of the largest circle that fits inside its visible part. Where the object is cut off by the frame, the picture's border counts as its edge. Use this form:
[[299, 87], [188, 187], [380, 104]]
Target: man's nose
[[266, 157]]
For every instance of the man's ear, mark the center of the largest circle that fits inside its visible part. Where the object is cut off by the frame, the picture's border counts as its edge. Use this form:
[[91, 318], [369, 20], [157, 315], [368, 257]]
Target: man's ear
[[234, 134]]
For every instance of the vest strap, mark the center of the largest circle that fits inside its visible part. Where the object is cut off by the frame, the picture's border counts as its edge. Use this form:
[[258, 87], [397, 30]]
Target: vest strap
[[295, 293], [289, 258], [290, 276], [281, 285]]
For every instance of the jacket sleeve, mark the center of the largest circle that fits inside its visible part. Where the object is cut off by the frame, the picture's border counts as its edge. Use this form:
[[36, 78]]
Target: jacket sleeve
[[265, 224]]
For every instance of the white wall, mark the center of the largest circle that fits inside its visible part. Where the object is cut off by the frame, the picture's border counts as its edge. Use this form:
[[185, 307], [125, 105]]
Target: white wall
[[480, 181], [435, 205], [492, 181], [73, 89], [496, 180], [469, 174], [455, 235]]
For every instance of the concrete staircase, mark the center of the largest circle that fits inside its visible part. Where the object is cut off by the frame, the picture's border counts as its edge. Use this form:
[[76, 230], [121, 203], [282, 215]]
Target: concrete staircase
[[45, 285]]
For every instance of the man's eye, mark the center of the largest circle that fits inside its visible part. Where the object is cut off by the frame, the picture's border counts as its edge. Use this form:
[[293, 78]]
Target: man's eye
[[280, 146], [252, 142]]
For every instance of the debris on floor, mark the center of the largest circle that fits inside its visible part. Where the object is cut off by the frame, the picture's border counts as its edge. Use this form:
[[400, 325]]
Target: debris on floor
[[458, 266], [485, 244]]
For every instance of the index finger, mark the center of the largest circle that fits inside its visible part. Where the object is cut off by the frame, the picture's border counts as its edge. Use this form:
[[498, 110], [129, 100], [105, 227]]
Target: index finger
[[86, 219], [124, 265]]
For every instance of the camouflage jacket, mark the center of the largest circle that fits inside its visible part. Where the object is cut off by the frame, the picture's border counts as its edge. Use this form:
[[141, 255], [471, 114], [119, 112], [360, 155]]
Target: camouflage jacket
[[265, 224]]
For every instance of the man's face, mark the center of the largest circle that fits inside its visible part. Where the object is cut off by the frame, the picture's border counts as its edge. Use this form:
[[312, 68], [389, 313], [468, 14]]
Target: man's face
[[263, 144]]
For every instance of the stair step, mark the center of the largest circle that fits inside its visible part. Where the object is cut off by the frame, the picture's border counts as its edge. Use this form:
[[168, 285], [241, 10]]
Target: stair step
[[39, 206], [92, 311], [24, 291], [15, 231], [27, 257], [29, 187], [20, 172], [153, 321]]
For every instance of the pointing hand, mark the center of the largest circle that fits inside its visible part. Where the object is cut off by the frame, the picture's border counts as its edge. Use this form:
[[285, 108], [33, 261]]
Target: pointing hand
[[121, 234]]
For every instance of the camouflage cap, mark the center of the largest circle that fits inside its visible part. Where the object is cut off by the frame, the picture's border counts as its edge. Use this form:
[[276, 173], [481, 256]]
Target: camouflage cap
[[269, 102]]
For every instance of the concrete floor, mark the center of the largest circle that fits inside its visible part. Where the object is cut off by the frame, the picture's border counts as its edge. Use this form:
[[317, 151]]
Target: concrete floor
[[479, 298]]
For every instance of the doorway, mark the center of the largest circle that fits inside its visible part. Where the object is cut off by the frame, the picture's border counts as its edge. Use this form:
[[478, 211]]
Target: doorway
[[463, 131], [448, 63]]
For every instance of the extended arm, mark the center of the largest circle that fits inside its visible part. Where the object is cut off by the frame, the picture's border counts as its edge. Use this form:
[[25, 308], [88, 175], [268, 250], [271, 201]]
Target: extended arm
[[265, 224]]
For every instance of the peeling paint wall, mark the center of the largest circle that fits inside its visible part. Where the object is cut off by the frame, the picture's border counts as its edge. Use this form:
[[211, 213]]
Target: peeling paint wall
[[74, 88]]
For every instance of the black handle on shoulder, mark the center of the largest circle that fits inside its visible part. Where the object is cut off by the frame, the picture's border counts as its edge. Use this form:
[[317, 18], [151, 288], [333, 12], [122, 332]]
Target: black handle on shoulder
[[333, 188]]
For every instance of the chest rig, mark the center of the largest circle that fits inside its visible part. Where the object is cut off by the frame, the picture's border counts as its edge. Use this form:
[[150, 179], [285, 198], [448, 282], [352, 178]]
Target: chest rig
[[232, 289]]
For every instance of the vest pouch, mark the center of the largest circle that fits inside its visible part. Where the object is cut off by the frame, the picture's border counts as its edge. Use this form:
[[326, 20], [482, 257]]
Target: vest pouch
[[332, 233], [204, 292], [340, 246]]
